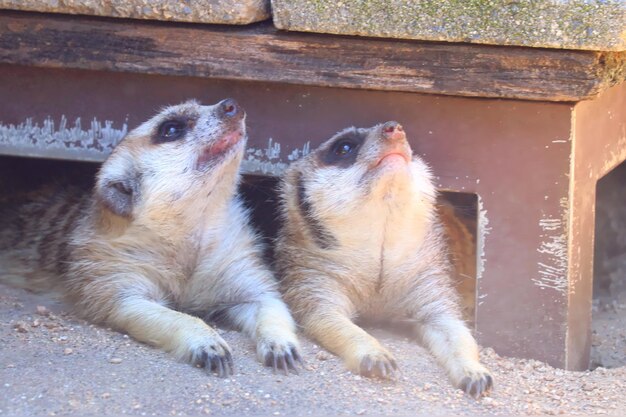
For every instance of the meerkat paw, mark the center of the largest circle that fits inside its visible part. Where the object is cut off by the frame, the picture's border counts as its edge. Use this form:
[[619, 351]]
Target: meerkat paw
[[475, 380], [213, 354], [375, 362], [280, 355]]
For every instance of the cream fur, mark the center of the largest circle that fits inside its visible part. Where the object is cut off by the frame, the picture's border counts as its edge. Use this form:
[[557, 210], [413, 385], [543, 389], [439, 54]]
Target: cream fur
[[386, 258]]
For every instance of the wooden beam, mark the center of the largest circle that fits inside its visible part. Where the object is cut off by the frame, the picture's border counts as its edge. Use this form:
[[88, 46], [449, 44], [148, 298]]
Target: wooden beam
[[260, 52]]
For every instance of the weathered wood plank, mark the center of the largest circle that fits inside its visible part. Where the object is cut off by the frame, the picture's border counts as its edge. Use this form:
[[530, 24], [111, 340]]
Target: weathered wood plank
[[261, 53]]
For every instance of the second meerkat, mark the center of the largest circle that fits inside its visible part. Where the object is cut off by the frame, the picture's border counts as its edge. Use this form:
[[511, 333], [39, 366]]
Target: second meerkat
[[361, 238]]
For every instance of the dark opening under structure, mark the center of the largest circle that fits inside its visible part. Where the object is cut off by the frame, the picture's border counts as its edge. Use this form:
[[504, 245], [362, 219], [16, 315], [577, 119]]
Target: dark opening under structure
[[608, 339]]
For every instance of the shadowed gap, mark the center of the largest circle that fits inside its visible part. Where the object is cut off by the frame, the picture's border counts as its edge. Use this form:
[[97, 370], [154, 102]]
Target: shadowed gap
[[608, 339]]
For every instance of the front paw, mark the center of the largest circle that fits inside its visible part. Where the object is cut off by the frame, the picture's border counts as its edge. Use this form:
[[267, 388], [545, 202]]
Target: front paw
[[476, 381], [374, 362], [279, 355], [214, 356]]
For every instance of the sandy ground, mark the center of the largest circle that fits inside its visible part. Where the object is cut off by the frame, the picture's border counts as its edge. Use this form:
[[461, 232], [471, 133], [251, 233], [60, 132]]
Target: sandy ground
[[54, 364], [608, 337]]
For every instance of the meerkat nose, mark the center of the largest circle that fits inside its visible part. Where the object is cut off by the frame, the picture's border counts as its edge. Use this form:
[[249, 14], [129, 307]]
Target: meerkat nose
[[229, 109], [393, 131]]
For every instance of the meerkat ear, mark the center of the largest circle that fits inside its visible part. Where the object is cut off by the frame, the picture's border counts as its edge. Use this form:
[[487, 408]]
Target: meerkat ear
[[117, 187]]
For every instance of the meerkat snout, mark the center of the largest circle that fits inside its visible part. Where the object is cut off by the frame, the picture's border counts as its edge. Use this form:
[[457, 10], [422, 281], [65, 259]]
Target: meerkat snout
[[232, 116], [229, 109], [393, 131], [395, 149]]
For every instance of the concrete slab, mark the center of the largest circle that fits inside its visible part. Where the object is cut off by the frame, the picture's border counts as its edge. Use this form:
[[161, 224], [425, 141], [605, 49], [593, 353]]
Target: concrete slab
[[198, 11], [568, 24]]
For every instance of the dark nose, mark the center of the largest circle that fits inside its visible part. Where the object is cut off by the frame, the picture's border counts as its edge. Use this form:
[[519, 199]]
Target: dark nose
[[229, 109], [393, 131]]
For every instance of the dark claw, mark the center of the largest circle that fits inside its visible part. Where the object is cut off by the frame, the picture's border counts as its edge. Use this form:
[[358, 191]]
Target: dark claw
[[389, 369], [229, 361], [202, 360], [465, 383], [220, 367], [297, 357], [477, 388], [283, 365], [285, 361], [211, 365], [366, 366], [291, 364], [470, 387], [382, 368]]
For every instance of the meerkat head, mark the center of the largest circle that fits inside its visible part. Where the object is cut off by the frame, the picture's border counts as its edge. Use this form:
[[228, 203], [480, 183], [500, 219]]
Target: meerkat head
[[365, 156], [357, 168], [182, 148]]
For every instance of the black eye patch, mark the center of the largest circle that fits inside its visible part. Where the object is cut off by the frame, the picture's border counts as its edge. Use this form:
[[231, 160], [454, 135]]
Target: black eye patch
[[343, 151], [170, 131]]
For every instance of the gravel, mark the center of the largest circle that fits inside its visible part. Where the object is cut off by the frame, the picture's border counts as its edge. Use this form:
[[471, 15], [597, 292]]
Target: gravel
[[52, 363], [608, 338]]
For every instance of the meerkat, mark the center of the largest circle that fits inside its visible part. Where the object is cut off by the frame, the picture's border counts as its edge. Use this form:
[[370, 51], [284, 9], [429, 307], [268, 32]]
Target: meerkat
[[361, 238], [162, 245]]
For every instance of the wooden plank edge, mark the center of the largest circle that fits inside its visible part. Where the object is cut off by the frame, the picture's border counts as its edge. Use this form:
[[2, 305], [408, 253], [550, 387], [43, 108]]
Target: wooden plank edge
[[600, 70]]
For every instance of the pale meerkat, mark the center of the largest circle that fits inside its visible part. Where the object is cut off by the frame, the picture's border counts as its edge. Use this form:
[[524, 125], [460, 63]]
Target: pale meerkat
[[360, 237], [162, 243]]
